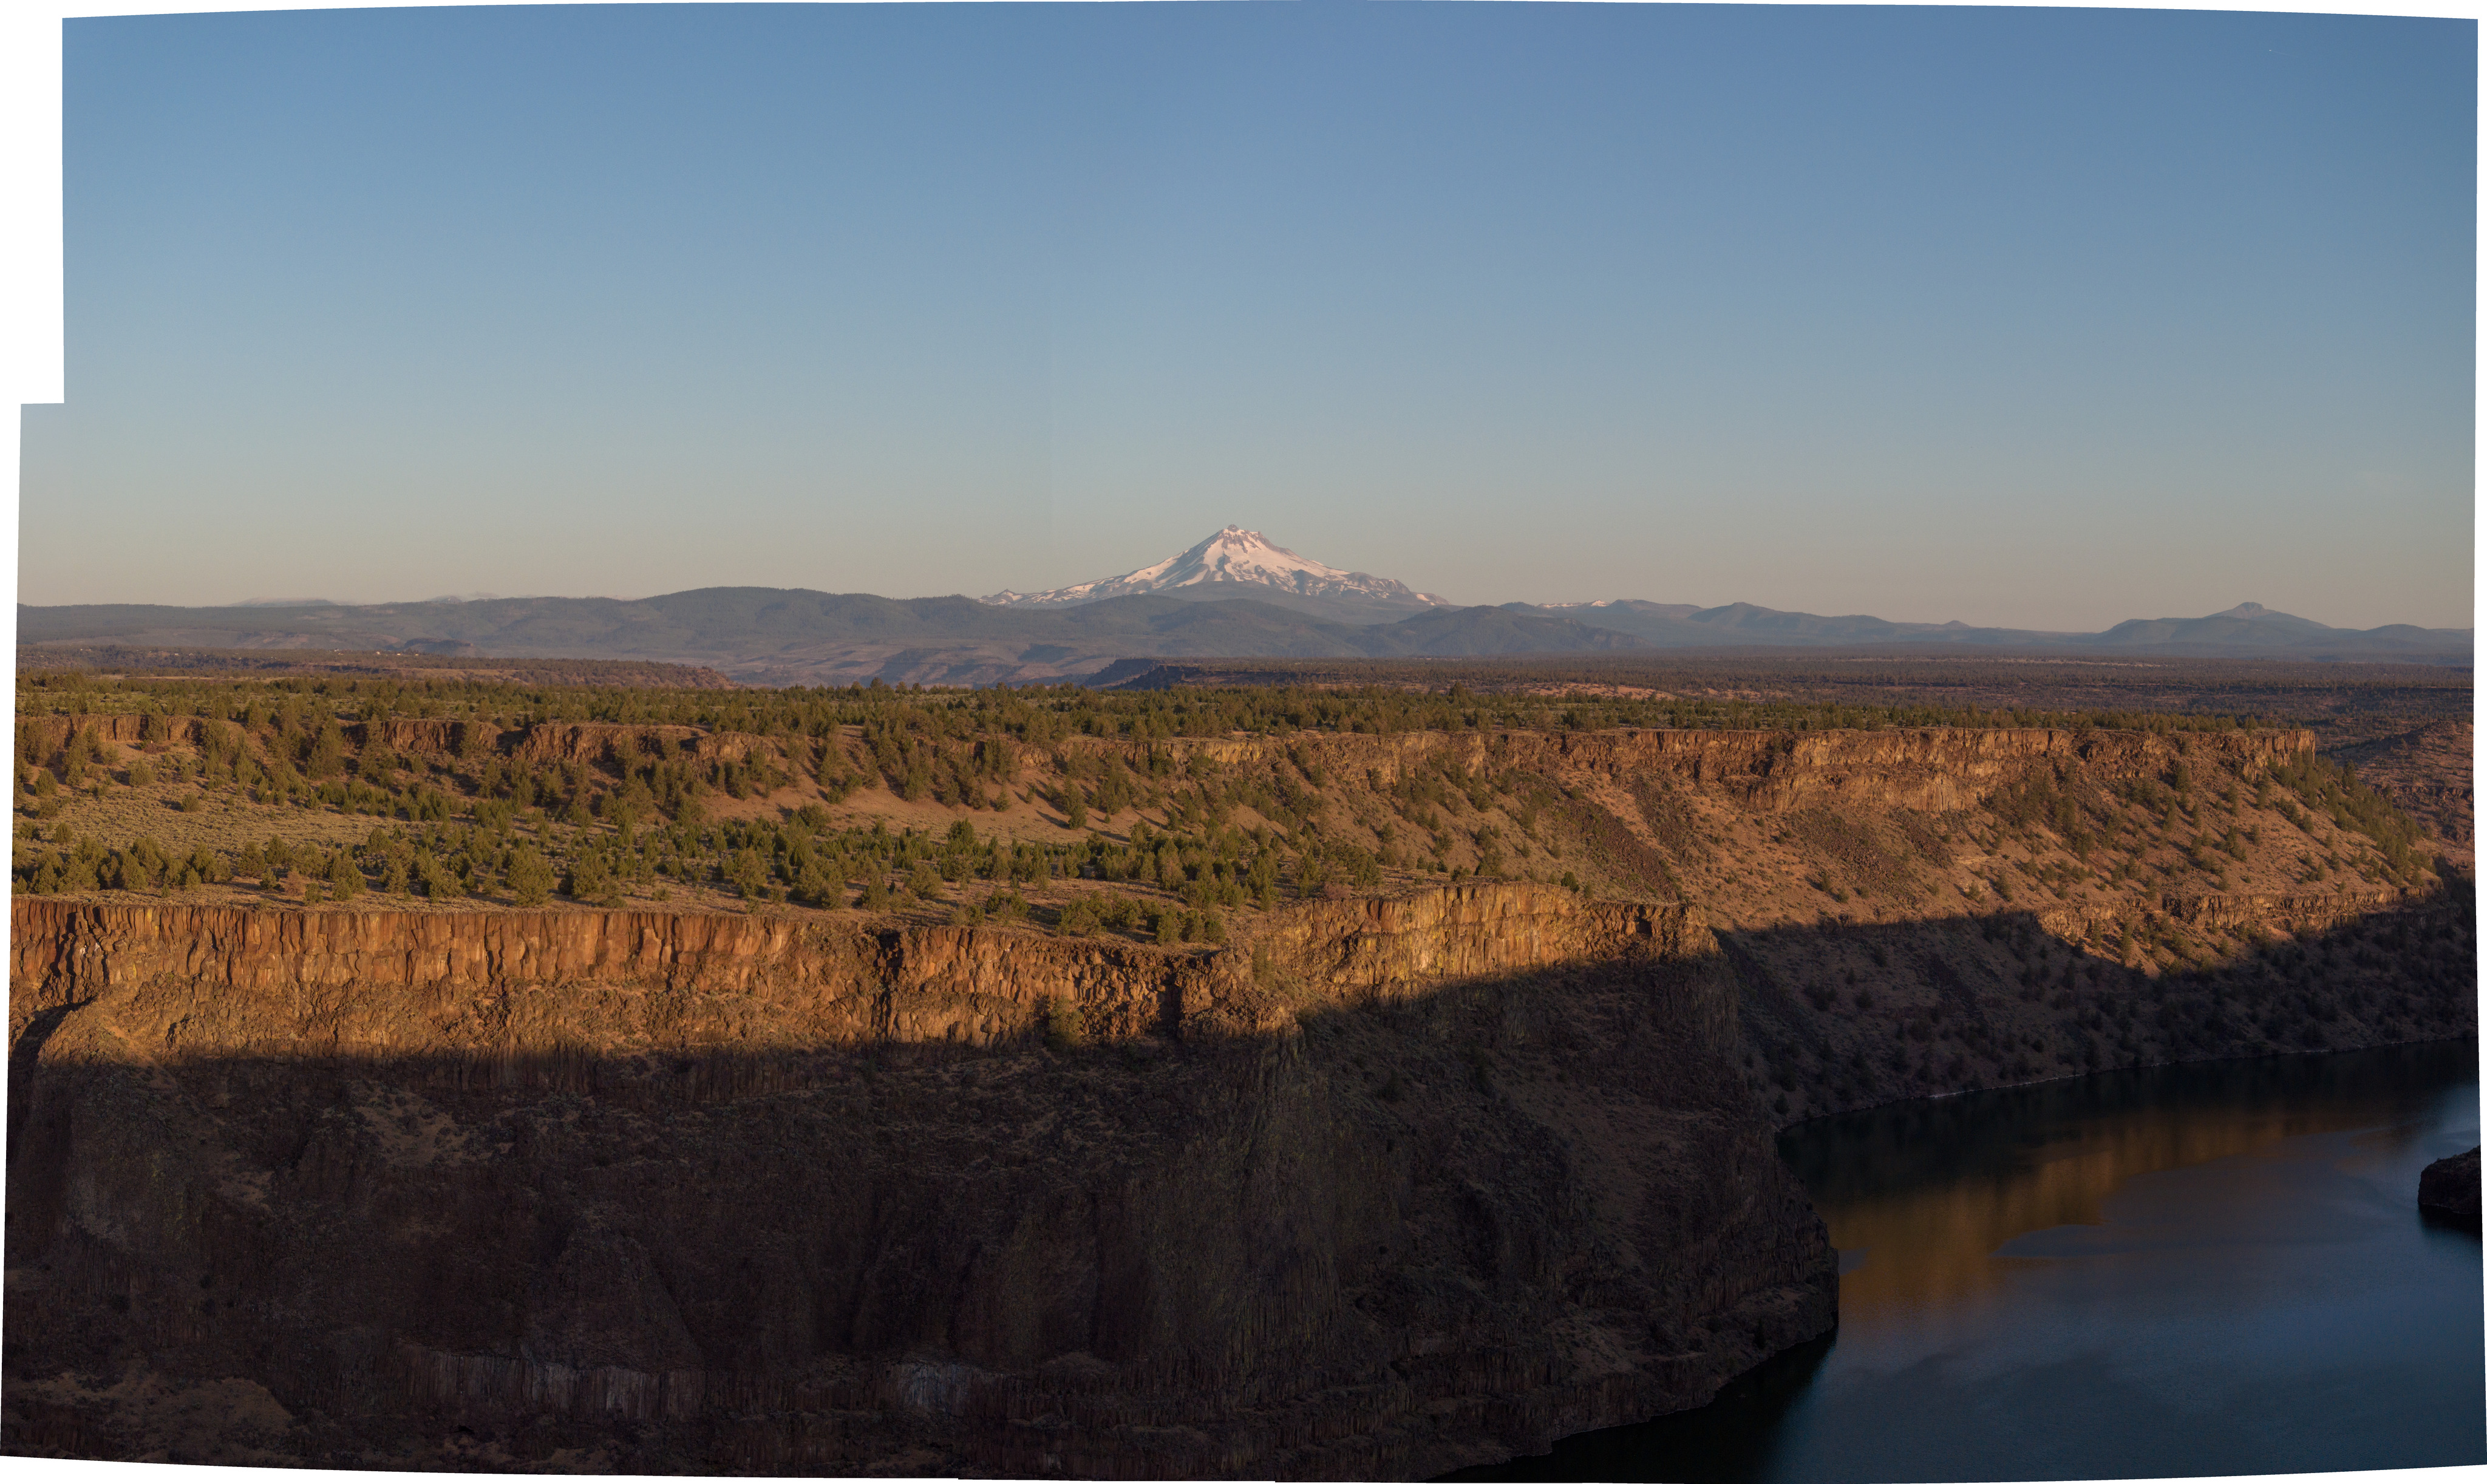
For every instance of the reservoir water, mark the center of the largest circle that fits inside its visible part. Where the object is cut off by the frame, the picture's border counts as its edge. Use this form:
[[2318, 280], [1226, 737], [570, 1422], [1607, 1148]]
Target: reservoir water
[[2207, 1270]]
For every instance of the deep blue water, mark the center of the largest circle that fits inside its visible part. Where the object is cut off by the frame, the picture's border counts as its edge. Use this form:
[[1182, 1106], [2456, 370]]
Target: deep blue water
[[2206, 1270]]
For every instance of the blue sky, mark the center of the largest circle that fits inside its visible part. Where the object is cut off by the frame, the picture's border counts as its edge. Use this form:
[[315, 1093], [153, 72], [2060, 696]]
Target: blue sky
[[2042, 317]]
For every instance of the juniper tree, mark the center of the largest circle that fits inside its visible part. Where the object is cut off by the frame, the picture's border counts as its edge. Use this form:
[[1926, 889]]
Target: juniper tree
[[747, 872], [528, 875], [326, 756]]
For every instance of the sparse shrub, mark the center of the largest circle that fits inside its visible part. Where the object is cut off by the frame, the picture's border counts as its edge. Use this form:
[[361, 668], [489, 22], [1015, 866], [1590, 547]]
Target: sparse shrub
[[1066, 1028]]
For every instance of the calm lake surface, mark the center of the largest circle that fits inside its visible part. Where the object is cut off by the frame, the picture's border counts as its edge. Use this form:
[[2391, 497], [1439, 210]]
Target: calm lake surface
[[2205, 1270]]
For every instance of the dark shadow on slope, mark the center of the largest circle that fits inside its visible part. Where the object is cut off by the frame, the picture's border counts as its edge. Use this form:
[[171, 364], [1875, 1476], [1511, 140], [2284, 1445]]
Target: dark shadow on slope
[[1845, 1016], [1146, 1257]]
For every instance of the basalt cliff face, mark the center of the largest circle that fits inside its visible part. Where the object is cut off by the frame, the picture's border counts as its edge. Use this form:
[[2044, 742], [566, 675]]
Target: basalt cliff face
[[1932, 768], [1390, 1187], [1381, 1188]]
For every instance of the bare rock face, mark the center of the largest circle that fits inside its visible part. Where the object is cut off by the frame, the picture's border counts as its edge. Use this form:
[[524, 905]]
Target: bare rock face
[[1393, 1188], [2450, 1187]]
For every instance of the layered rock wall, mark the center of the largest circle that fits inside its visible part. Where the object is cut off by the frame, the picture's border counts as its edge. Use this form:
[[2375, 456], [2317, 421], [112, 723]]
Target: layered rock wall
[[383, 982], [1395, 1187], [1932, 768]]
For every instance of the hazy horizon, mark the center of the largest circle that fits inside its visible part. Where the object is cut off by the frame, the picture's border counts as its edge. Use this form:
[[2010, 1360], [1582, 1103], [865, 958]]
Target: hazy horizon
[[2027, 319]]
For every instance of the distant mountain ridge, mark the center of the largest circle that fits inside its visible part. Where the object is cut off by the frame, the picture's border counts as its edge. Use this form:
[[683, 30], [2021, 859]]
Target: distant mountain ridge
[[795, 636], [1239, 563], [1233, 596], [2248, 629]]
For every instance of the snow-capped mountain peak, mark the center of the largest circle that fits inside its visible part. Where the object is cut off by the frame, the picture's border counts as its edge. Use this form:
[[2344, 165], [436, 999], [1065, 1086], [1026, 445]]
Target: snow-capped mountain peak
[[1235, 563]]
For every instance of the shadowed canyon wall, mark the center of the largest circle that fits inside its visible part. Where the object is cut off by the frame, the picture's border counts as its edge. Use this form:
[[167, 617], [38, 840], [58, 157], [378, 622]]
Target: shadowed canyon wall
[[1846, 1016], [1382, 1187], [1397, 1186]]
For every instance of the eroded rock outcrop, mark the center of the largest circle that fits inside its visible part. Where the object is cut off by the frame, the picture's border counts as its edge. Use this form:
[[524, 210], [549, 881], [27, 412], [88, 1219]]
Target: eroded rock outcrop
[[1391, 1188], [2449, 1187]]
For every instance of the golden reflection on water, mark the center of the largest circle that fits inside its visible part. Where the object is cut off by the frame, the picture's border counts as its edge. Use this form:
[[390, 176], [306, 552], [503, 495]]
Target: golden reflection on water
[[1933, 1244]]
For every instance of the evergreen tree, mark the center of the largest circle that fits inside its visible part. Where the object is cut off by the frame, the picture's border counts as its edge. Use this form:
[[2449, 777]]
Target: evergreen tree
[[326, 757], [529, 876], [439, 883], [747, 872]]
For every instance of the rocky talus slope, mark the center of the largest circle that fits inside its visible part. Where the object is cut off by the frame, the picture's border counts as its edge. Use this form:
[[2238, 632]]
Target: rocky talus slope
[[1396, 1186]]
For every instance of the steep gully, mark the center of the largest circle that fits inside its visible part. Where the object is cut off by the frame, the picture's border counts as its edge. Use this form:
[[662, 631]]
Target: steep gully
[[1387, 1188]]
